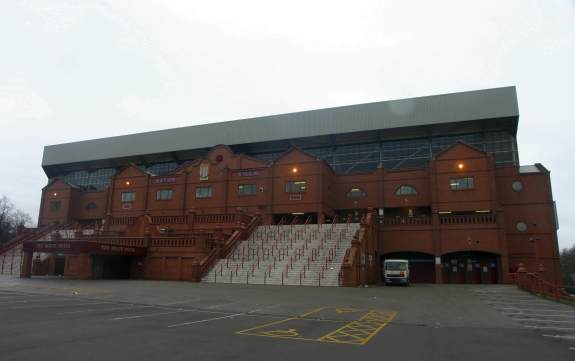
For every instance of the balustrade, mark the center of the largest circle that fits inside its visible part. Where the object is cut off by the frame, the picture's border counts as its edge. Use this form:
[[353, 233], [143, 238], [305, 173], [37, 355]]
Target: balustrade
[[468, 219]]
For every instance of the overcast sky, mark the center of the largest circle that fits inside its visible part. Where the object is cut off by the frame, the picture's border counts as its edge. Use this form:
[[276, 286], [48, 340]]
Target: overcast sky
[[75, 70]]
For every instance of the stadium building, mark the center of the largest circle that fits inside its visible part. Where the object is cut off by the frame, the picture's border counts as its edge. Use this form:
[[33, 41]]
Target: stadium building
[[315, 197]]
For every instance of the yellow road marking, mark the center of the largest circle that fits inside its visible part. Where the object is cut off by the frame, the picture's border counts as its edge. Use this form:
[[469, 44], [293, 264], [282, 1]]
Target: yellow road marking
[[357, 332], [361, 331], [280, 321], [346, 310]]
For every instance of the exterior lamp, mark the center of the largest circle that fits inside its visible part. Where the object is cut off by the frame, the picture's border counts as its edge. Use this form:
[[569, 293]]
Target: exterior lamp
[[460, 165], [294, 170], [127, 183]]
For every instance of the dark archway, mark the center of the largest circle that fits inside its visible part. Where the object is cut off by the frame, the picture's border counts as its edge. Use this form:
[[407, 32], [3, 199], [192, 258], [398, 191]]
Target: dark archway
[[470, 267], [421, 265]]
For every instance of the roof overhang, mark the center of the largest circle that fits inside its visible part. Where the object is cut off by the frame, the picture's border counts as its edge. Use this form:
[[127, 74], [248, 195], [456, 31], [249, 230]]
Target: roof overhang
[[480, 109]]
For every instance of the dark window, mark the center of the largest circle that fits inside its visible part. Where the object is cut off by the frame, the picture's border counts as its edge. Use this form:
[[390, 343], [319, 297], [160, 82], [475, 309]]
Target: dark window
[[55, 205], [90, 206], [164, 194], [128, 197], [356, 193], [247, 189], [203, 192], [406, 190], [461, 183], [295, 187]]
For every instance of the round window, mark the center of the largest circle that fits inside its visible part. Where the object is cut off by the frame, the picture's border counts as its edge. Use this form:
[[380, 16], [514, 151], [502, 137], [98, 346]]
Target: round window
[[521, 226], [517, 186]]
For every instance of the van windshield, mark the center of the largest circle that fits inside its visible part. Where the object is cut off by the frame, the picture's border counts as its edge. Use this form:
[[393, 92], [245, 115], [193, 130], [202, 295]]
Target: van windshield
[[396, 266]]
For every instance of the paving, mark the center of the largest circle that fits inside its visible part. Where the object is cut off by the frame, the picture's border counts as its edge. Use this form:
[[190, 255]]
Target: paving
[[60, 319]]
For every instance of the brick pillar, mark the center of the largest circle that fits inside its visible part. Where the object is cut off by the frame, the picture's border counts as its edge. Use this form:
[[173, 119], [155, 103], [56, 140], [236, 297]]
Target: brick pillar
[[437, 251], [26, 268], [84, 266], [502, 245]]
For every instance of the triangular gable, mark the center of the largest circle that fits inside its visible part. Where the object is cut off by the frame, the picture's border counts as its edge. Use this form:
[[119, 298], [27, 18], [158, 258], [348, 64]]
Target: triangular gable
[[460, 150], [294, 155], [181, 168], [220, 154], [58, 183], [131, 170], [244, 161]]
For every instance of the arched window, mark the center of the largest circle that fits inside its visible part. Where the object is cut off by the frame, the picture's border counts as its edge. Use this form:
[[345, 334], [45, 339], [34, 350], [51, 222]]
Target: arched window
[[356, 193], [406, 190]]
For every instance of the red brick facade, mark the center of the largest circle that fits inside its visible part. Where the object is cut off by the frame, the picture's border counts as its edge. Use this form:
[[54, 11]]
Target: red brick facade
[[443, 225]]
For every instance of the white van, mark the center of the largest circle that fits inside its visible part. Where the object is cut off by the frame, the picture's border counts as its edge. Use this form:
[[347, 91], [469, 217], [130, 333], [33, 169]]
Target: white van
[[396, 271]]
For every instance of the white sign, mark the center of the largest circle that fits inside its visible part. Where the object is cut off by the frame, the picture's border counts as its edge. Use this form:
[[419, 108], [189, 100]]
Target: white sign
[[437, 260]]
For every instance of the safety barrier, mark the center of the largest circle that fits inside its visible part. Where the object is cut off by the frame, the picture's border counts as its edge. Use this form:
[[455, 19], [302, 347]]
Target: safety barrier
[[468, 219], [534, 283]]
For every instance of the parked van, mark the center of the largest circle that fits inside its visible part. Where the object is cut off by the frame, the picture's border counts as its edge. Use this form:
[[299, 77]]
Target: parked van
[[396, 271]]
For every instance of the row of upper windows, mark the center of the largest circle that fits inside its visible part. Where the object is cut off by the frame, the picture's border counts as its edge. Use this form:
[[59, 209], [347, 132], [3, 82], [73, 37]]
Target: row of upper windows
[[291, 187], [299, 187]]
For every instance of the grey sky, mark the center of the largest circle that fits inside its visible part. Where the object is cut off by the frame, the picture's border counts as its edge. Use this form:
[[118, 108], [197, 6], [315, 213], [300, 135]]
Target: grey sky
[[75, 70]]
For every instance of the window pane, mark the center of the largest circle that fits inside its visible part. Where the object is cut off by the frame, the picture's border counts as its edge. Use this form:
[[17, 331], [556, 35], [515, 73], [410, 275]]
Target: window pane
[[203, 192], [356, 193], [462, 183], [247, 189], [55, 205], [406, 190], [295, 187], [128, 196], [164, 194]]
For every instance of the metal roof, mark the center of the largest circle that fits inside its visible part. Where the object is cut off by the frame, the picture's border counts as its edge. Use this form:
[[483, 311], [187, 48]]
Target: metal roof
[[494, 103]]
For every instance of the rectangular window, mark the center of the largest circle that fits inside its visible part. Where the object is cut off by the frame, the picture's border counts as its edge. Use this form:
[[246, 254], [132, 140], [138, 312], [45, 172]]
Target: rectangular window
[[203, 192], [164, 194], [461, 183], [55, 206], [204, 169], [295, 187], [247, 189], [128, 197]]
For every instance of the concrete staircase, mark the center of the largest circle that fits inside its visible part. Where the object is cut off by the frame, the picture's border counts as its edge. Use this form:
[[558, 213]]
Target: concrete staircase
[[309, 255]]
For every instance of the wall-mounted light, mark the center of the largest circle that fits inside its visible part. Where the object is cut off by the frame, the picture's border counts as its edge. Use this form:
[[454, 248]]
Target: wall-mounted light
[[294, 170], [460, 165], [444, 212], [128, 183], [297, 213], [55, 194]]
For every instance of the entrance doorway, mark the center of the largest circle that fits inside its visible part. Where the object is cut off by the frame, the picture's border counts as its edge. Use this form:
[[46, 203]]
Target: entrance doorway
[[295, 218], [59, 265], [111, 267], [355, 214], [470, 267], [421, 265]]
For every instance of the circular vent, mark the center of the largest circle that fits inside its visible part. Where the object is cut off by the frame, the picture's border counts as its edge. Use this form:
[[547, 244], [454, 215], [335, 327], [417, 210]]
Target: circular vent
[[521, 226], [517, 186]]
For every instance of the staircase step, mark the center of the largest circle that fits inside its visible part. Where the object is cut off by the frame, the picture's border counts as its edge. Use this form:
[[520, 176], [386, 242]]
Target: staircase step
[[290, 245]]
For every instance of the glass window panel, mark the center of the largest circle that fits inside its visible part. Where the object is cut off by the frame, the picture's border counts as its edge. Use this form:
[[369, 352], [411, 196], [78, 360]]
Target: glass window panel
[[247, 189], [295, 187], [128, 196], [164, 194], [203, 192]]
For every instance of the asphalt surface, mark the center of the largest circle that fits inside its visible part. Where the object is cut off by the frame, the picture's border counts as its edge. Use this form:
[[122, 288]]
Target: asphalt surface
[[56, 319]]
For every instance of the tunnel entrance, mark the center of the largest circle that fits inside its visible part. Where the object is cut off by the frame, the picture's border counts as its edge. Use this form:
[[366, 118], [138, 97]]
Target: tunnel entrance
[[111, 267]]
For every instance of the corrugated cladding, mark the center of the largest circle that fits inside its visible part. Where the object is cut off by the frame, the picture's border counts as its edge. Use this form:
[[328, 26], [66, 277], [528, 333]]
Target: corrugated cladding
[[456, 107]]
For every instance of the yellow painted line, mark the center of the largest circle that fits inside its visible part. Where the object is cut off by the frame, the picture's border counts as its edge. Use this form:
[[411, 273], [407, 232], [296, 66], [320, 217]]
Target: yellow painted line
[[357, 332], [280, 321], [361, 331]]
